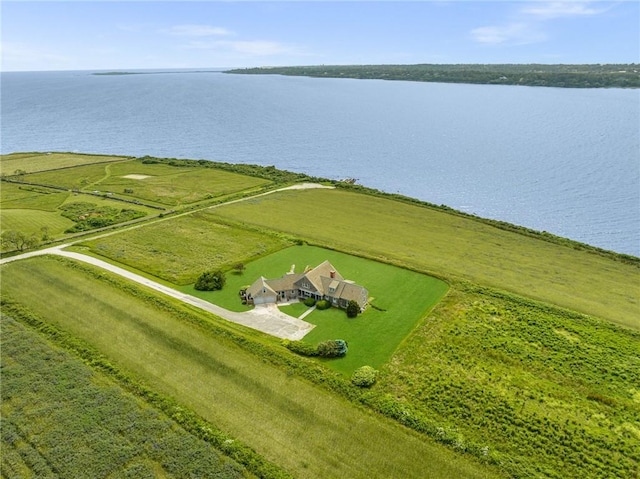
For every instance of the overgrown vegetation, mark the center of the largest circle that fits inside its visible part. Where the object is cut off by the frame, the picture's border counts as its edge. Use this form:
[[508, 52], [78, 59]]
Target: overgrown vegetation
[[88, 216], [556, 391], [550, 75], [59, 419]]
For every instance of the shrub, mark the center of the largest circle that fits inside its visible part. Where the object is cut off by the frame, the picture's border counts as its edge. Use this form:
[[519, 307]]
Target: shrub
[[309, 302], [210, 281], [323, 304], [364, 377], [352, 309], [333, 348], [300, 347]]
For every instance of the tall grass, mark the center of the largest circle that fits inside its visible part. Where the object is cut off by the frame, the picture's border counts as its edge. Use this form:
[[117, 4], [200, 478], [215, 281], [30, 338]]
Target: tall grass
[[59, 419]]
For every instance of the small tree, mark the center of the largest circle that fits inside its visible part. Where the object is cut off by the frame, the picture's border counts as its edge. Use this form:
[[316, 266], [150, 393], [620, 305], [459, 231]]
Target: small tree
[[352, 309], [210, 281], [239, 268], [364, 377]]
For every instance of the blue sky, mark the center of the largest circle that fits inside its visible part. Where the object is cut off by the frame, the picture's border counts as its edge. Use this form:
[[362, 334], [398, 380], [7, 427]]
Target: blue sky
[[85, 35]]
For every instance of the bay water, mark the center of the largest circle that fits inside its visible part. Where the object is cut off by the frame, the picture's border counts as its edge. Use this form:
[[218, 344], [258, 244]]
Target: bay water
[[566, 161]]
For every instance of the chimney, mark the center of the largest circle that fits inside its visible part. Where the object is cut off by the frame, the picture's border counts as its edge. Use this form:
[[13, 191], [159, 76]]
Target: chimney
[[332, 274]]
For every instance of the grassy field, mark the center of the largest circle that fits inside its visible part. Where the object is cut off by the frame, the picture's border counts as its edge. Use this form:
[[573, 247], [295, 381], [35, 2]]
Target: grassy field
[[304, 429], [179, 250], [152, 183], [558, 392], [61, 420], [403, 298], [451, 246], [33, 162]]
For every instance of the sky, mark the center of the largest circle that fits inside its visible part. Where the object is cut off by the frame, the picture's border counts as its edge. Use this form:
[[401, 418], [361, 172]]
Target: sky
[[117, 35]]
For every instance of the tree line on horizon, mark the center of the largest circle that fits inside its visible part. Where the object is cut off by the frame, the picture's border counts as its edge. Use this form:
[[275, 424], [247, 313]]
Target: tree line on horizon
[[556, 75]]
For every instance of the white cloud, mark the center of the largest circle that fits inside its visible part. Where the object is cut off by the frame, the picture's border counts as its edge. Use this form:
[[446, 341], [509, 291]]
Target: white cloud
[[513, 34], [549, 10], [196, 31], [246, 47]]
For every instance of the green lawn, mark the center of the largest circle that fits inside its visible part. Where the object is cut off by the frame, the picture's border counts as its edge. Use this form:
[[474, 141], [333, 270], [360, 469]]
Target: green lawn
[[60, 419], [179, 250], [33, 162], [308, 431], [451, 246], [403, 298]]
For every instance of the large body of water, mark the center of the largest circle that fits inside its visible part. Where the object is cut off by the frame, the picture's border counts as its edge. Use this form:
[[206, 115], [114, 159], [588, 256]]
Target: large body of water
[[566, 161]]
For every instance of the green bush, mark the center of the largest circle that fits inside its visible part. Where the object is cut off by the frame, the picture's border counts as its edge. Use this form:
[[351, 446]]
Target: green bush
[[364, 376], [352, 309], [333, 348], [300, 347], [309, 302], [210, 281], [323, 304]]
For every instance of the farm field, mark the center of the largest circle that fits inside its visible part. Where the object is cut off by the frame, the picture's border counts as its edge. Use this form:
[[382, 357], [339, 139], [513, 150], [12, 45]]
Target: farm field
[[403, 298], [451, 246], [33, 162], [61, 419], [558, 392], [160, 184], [223, 382], [178, 250]]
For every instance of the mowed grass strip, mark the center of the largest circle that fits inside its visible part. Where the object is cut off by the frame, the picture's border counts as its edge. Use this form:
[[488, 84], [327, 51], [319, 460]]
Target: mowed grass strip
[[401, 298], [450, 245], [32, 221], [32, 162], [179, 250], [292, 423], [47, 395]]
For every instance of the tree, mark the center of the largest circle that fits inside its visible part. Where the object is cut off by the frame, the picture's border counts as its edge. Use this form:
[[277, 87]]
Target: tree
[[18, 240], [210, 281], [352, 309], [239, 268]]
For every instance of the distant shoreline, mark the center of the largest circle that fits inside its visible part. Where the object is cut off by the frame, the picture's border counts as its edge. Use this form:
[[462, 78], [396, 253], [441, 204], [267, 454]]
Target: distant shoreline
[[560, 76]]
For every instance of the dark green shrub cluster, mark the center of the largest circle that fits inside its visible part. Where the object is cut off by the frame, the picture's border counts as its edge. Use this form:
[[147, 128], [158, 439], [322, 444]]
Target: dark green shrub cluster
[[333, 348], [364, 377], [309, 302], [88, 216], [323, 304], [300, 347], [210, 281]]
